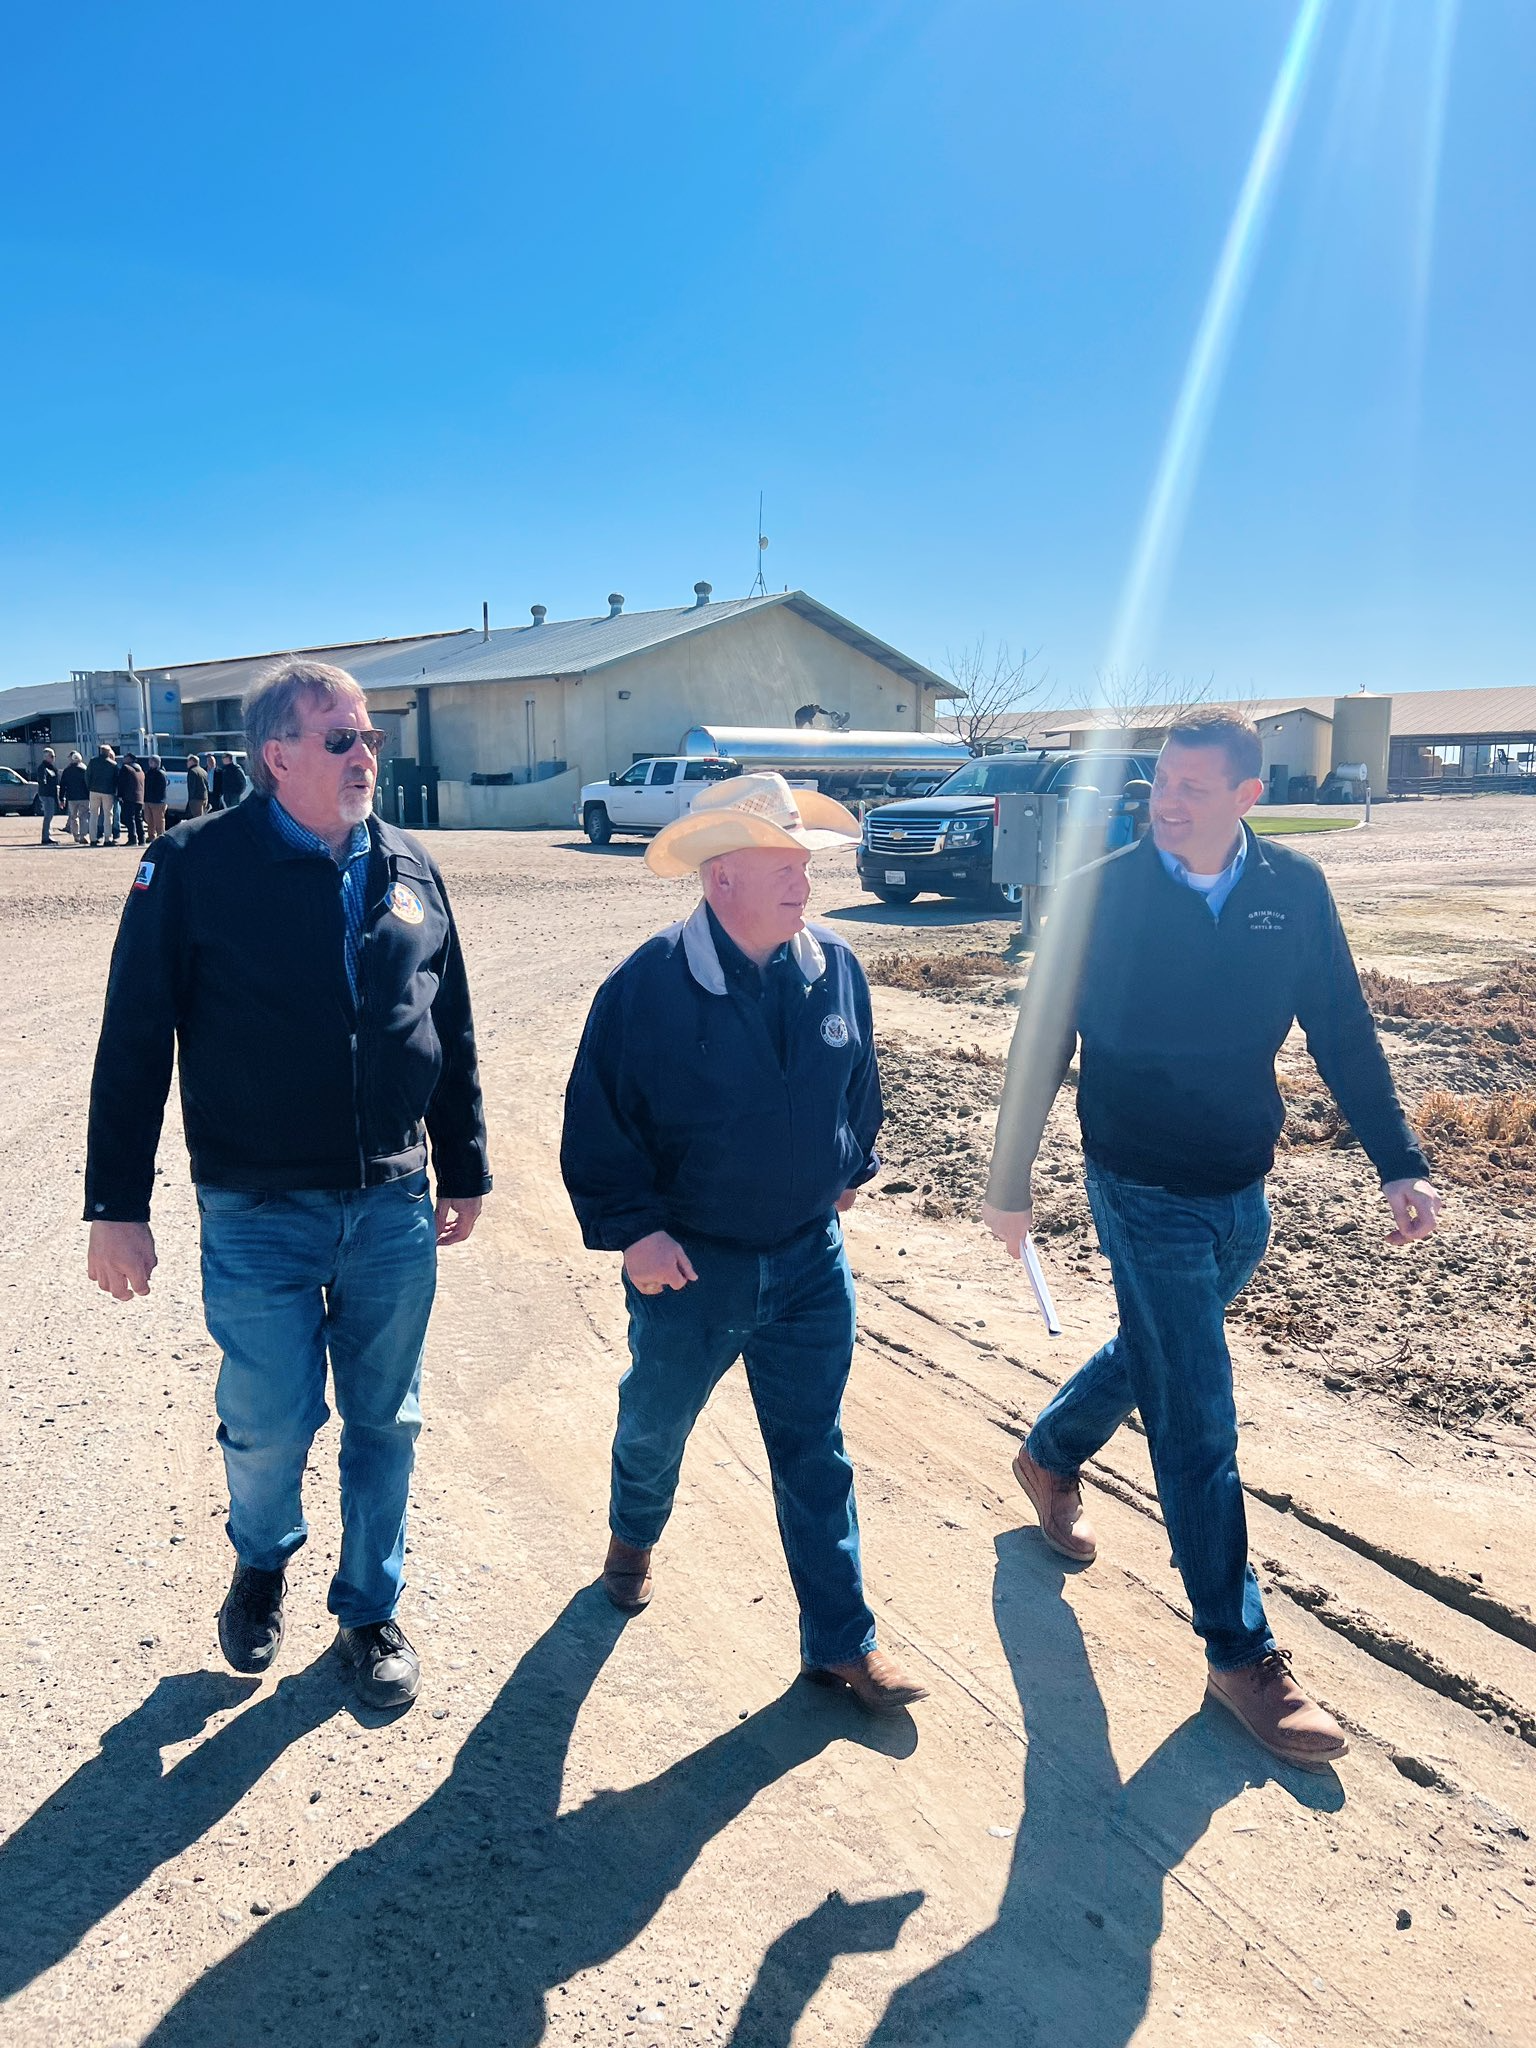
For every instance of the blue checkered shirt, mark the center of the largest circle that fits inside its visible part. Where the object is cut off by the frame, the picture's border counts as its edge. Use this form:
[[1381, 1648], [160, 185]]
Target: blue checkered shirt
[[354, 880]]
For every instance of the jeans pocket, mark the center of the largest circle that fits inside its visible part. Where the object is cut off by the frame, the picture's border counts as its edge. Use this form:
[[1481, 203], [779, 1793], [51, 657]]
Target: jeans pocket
[[230, 1201]]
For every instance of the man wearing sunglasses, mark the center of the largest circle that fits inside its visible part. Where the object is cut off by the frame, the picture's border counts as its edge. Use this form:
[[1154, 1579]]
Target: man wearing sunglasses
[[299, 957]]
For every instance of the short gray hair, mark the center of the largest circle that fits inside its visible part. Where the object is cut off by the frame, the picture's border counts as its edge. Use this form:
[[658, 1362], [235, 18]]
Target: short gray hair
[[276, 699]]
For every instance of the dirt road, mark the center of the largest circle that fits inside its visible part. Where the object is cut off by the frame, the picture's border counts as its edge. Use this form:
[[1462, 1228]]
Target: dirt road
[[649, 1834]]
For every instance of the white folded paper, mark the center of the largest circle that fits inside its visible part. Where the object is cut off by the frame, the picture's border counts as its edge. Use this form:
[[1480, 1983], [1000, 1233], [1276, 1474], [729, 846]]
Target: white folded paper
[[1042, 1287]]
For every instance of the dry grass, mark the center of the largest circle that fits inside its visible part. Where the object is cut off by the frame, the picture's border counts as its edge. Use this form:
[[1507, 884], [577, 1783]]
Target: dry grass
[[1486, 1141], [945, 970], [1503, 1008], [1501, 1120]]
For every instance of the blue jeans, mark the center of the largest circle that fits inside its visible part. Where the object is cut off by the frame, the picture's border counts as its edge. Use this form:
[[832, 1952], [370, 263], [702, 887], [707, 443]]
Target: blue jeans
[[287, 1281], [1177, 1261], [789, 1314]]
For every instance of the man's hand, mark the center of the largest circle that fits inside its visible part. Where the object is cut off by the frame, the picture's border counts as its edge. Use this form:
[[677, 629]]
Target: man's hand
[[1011, 1225], [1415, 1207], [456, 1217], [658, 1261], [846, 1200], [120, 1258]]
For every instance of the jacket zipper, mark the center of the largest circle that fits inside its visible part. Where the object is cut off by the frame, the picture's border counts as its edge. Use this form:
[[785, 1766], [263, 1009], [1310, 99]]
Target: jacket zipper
[[359, 1012]]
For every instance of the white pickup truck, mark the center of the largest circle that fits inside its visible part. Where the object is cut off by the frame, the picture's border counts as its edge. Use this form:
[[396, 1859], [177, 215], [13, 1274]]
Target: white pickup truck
[[647, 796]]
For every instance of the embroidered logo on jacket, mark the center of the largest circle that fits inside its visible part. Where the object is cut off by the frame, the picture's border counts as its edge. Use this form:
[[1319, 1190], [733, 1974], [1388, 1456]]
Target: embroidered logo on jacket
[[406, 904], [834, 1029], [1265, 920], [145, 875]]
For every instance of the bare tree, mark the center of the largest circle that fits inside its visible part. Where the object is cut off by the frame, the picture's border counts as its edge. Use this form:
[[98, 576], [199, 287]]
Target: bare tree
[[995, 686], [1147, 700]]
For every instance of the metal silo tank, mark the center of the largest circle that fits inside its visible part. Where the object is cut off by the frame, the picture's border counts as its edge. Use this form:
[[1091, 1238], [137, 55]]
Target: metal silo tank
[[1362, 731]]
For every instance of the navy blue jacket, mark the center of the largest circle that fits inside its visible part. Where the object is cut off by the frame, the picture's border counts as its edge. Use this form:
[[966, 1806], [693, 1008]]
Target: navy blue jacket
[[680, 1115], [230, 953], [1180, 1016]]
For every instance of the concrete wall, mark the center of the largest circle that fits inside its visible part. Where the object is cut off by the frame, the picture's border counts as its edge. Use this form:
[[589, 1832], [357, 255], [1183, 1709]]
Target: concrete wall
[[484, 728], [508, 807]]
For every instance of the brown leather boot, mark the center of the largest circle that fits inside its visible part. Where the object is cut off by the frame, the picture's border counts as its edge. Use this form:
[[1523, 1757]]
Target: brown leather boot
[[1277, 1713], [876, 1681], [627, 1576], [1059, 1504]]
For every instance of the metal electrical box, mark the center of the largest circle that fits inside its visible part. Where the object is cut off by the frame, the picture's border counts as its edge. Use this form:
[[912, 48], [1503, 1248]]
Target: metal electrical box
[[1024, 844]]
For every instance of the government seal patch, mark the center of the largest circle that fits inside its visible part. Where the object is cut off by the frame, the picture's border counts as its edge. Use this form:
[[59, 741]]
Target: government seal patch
[[406, 904], [834, 1029]]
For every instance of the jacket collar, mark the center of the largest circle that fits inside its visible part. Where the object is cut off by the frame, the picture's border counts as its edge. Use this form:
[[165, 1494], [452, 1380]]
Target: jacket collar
[[1254, 857], [255, 813], [704, 961]]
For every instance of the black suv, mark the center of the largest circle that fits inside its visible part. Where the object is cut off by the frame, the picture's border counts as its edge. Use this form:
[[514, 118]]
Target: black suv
[[943, 843]]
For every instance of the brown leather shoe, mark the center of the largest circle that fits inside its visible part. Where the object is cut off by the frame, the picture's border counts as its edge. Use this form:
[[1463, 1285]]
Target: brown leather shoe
[[876, 1681], [627, 1576], [1059, 1504], [1276, 1712]]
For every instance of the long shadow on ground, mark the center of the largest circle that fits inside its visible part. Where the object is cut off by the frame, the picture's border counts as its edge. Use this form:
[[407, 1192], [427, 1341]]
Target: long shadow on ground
[[1068, 1961], [451, 1928], [119, 1817]]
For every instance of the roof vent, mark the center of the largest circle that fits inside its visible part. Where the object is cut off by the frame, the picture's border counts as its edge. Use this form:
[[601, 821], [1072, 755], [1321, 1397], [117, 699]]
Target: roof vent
[[702, 593], [615, 603], [540, 613]]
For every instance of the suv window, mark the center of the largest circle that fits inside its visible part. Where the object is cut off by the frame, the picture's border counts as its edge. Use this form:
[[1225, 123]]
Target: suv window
[[994, 776], [663, 772], [1107, 773]]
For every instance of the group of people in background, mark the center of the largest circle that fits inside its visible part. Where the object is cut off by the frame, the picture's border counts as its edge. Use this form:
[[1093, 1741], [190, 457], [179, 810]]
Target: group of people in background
[[115, 797]]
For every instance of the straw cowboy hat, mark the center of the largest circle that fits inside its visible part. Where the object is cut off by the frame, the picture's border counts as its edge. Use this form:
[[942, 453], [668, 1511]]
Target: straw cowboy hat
[[750, 810]]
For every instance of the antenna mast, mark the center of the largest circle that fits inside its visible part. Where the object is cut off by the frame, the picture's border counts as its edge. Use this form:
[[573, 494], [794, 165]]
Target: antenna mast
[[760, 587]]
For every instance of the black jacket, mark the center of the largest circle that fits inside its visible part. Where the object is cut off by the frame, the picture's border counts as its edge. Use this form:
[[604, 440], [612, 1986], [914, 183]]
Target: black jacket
[[230, 953], [47, 779], [229, 784], [1180, 1016], [681, 1115], [74, 785], [130, 783], [101, 775], [154, 785]]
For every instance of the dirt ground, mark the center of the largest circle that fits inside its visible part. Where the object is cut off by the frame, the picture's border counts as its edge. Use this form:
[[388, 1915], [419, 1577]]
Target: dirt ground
[[649, 1833]]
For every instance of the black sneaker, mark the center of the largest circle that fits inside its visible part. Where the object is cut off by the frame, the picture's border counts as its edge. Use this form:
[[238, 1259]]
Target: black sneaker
[[251, 1619], [386, 1671]]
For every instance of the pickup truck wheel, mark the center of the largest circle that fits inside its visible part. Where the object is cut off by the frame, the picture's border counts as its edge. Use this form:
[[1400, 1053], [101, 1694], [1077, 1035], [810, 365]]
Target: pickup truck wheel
[[1004, 895], [889, 895], [597, 825]]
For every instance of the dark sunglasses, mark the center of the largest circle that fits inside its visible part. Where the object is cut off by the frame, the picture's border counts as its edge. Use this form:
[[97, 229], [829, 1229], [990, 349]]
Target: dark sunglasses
[[339, 739]]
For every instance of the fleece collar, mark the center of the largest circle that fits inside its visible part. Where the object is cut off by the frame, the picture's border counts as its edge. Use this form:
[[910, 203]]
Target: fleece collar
[[704, 961]]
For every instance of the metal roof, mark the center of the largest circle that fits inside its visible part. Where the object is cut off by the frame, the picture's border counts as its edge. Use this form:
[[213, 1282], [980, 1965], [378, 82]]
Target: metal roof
[[201, 680], [1416, 714], [582, 647], [1452, 714], [557, 647], [34, 700]]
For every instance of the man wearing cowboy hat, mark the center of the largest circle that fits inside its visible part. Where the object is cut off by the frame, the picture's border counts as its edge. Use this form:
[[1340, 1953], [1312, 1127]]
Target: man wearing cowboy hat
[[721, 1112]]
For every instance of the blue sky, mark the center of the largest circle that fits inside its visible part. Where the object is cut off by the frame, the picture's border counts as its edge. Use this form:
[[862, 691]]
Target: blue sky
[[328, 322]]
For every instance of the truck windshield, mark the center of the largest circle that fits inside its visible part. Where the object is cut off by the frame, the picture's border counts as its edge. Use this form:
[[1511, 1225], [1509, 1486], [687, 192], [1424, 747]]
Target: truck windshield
[[992, 777]]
